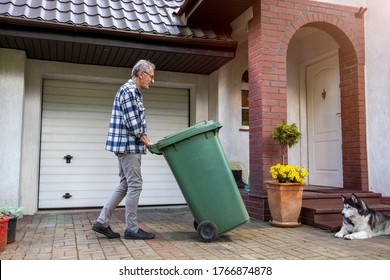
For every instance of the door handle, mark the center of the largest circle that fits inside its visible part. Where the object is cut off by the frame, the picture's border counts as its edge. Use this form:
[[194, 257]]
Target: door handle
[[338, 114], [67, 195], [68, 158]]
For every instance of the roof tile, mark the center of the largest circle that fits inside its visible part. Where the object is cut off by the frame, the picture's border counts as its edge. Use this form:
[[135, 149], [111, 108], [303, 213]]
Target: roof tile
[[141, 16], [146, 19]]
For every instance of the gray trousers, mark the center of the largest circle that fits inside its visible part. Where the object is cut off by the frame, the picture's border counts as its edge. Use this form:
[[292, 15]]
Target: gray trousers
[[129, 187]]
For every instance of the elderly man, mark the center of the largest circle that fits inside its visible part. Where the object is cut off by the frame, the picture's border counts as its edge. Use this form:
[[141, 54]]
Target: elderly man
[[127, 138]]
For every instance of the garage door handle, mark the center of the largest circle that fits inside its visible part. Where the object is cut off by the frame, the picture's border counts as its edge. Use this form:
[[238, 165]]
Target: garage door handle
[[68, 158], [67, 195]]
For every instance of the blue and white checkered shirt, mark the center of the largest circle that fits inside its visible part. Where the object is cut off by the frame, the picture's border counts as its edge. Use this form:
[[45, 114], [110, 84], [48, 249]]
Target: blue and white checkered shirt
[[128, 121]]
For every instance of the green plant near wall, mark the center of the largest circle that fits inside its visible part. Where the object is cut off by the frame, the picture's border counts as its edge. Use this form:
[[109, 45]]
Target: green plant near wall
[[287, 135]]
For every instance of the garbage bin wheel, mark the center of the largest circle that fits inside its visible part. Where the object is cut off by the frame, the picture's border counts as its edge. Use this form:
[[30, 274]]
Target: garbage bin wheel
[[207, 231], [196, 224]]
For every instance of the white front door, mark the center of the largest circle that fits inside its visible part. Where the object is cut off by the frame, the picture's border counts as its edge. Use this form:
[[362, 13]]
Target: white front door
[[324, 123]]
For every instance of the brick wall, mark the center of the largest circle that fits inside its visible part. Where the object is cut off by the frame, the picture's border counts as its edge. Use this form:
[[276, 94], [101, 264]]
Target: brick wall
[[256, 204], [270, 31]]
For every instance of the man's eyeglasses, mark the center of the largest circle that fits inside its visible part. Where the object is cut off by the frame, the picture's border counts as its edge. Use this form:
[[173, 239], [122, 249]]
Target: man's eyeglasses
[[150, 76]]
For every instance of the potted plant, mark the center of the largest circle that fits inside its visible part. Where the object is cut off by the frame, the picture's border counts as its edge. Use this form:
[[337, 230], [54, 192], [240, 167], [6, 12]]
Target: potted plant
[[285, 192], [287, 135], [12, 214], [3, 231]]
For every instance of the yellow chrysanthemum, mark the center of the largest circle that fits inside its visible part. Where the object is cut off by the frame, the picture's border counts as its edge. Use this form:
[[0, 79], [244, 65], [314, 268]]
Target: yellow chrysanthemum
[[288, 173]]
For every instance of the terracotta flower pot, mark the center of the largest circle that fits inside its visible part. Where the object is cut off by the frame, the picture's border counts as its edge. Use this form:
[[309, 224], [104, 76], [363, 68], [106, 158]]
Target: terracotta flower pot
[[285, 203]]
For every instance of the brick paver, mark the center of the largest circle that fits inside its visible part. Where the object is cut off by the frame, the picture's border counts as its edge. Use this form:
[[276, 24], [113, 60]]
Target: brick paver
[[68, 236]]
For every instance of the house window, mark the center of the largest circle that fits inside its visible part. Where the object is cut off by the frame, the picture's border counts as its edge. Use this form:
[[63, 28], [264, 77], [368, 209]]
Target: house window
[[244, 100]]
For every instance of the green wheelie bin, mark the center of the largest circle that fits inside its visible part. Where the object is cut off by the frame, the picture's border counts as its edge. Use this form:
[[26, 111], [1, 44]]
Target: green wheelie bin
[[200, 167]]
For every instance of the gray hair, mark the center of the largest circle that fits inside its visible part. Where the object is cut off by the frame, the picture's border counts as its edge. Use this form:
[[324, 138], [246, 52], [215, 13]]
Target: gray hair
[[142, 66]]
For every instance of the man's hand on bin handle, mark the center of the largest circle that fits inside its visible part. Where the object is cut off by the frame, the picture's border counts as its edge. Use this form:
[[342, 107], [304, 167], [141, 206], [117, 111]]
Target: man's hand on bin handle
[[147, 142]]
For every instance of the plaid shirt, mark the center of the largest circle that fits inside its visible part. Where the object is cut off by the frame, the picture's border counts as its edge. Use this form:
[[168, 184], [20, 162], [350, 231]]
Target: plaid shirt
[[128, 121]]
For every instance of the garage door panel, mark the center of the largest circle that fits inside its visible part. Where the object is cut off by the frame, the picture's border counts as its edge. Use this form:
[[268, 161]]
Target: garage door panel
[[59, 155], [55, 178], [74, 129], [61, 184], [98, 90], [168, 119], [78, 169], [67, 125], [80, 84], [76, 107], [69, 147], [168, 112], [61, 187], [90, 197], [163, 91], [159, 188], [91, 194], [86, 158], [69, 100], [75, 201], [75, 120], [155, 127], [92, 92], [77, 162], [162, 105], [177, 96], [55, 160], [62, 114], [81, 138]]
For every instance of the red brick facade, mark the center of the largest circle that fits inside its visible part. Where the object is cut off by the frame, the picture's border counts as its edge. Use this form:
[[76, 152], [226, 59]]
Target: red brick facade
[[270, 31]]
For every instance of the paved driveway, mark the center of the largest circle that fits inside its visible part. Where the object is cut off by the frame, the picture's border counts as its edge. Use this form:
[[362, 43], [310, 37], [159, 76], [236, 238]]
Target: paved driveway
[[68, 236]]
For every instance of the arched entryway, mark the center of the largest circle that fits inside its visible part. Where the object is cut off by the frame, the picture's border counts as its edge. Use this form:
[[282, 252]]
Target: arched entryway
[[313, 103], [352, 99], [270, 33]]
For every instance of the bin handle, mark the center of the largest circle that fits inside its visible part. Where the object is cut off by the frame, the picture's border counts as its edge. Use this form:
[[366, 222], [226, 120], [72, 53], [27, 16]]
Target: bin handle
[[154, 149]]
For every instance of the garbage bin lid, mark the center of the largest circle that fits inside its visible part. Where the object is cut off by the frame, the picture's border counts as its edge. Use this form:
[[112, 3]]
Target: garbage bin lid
[[189, 132]]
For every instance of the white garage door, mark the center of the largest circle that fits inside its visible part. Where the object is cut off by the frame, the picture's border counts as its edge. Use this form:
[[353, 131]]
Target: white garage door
[[75, 118]]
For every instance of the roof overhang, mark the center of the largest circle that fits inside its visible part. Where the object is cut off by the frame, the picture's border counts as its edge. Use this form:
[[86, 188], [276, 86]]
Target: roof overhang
[[169, 53], [55, 41]]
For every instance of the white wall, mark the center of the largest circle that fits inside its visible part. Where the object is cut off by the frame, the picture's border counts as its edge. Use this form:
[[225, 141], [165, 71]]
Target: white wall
[[294, 110], [235, 141], [377, 22], [12, 64], [16, 128], [225, 96]]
